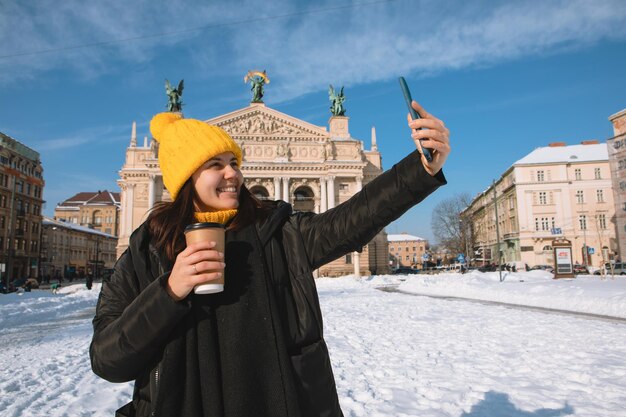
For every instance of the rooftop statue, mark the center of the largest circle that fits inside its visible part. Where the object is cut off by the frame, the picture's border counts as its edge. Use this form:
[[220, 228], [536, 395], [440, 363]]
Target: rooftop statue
[[257, 79], [174, 104], [336, 102]]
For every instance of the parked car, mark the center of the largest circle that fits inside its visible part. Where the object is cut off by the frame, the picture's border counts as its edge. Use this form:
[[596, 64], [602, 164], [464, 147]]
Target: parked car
[[548, 268], [32, 282], [488, 268], [580, 269], [618, 268], [405, 270]]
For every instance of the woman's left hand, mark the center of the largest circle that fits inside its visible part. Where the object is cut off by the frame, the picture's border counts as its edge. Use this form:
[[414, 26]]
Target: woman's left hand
[[435, 135]]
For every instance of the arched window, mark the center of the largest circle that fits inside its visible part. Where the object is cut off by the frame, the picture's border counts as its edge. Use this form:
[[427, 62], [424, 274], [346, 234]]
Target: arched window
[[97, 218], [304, 199], [260, 192]]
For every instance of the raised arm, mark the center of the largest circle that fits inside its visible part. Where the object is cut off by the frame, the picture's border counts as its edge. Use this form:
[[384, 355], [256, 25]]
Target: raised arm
[[352, 224]]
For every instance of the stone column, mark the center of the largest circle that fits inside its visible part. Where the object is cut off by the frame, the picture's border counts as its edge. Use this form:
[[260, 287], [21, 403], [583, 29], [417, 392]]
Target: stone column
[[151, 180], [331, 192], [122, 229], [323, 195], [286, 196], [130, 201], [276, 188], [356, 256]]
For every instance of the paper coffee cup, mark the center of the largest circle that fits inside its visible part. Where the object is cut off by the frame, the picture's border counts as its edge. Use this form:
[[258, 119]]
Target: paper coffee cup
[[207, 232]]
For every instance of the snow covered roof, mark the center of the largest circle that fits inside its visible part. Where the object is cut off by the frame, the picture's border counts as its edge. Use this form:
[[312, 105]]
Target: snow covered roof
[[404, 237], [572, 153], [91, 198], [47, 221]]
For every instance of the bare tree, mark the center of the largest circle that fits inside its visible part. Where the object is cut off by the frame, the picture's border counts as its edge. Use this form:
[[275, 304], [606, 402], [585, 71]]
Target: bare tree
[[447, 223]]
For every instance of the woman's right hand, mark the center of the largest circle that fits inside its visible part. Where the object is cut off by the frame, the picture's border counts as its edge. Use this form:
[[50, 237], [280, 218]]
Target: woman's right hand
[[198, 264]]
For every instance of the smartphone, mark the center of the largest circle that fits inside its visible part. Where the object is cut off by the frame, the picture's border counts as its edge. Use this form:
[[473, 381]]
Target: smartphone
[[414, 115]]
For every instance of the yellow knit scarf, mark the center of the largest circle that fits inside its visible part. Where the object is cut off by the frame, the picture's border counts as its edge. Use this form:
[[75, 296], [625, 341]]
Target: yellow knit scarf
[[219, 216]]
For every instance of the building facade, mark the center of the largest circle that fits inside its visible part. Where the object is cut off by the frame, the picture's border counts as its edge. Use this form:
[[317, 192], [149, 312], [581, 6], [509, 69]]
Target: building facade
[[617, 161], [96, 210], [406, 250], [555, 191], [21, 191], [312, 167], [70, 251]]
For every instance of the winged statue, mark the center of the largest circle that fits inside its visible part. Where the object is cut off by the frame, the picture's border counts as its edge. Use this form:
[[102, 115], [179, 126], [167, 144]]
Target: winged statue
[[174, 103], [336, 102], [257, 79]]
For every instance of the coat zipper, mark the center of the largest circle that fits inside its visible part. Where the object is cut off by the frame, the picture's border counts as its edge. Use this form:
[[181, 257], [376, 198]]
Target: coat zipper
[[156, 376]]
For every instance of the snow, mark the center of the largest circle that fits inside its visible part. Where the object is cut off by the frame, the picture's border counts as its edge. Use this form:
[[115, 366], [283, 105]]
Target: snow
[[572, 153], [403, 237], [393, 353]]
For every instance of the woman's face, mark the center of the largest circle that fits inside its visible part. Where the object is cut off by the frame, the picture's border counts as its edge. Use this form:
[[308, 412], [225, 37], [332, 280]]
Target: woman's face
[[217, 183]]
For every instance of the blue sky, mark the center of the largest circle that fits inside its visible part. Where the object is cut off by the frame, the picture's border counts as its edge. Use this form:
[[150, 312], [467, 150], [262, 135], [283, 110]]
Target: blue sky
[[506, 77]]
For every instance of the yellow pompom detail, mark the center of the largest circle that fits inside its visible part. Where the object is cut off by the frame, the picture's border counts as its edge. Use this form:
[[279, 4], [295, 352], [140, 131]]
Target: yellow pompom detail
[[161, 122]]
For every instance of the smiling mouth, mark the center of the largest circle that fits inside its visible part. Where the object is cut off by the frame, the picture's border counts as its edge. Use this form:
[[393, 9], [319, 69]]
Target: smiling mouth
[[231, 189]]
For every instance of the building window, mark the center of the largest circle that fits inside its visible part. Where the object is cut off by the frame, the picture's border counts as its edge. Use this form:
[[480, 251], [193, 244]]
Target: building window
[[582, 221], [600, 195], [577, 174], [624, 208], [406, 258], [597, 173], [580, 196], [540, 176], [391, 248], [344, 187], [348, 258], [553, 223], [2, 223], [544, 223], [542, 198], [602, 221]]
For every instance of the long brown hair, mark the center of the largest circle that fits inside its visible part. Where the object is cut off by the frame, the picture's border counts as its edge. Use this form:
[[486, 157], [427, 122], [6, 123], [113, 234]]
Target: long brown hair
[[168, 219]]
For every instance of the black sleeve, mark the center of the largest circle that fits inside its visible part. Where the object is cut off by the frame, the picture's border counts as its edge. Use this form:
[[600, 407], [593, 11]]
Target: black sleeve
[[131, 327], [352, 224]]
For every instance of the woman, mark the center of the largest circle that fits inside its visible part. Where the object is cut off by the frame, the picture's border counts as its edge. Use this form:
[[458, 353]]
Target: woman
[[257, 348]]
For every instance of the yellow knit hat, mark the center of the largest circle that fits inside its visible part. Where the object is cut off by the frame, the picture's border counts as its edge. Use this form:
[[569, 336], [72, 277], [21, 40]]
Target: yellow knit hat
[[186, 144]]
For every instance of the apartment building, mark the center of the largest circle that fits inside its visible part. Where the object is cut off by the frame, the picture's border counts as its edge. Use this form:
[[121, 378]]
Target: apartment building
[[406, 249], [69, 250], [617, 162], [554, 191], [21, 191], [97, 210]]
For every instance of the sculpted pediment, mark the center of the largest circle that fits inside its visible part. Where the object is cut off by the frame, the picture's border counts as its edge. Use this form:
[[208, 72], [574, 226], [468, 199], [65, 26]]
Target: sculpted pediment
[[260, 121]]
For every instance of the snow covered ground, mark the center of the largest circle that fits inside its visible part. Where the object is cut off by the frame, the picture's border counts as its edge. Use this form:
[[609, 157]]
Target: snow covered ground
[[394, 354]]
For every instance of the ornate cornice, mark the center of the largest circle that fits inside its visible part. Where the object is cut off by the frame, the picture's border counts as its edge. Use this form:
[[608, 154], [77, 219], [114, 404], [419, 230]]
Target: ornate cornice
[[264, 123]]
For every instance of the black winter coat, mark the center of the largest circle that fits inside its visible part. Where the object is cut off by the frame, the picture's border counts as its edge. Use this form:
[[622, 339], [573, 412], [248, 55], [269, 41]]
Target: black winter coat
[[135, 316]]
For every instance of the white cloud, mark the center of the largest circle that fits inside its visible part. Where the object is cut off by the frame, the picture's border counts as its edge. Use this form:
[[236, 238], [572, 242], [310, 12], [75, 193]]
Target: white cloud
[[105, 134], [343, 46]]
